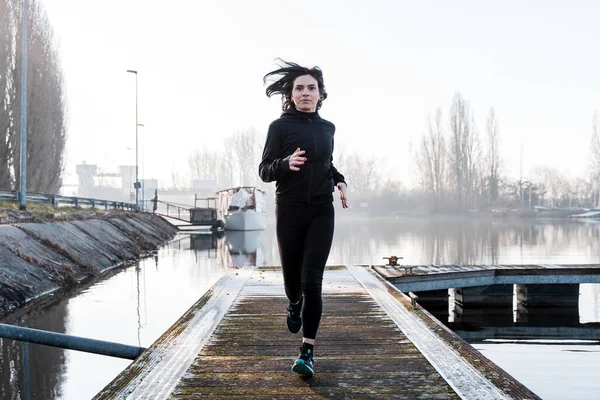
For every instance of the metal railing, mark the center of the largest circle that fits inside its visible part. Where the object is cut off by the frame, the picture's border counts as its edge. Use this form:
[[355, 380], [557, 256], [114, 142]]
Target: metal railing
[[70, 342], [173, 210], [57, 200], [60, 340]]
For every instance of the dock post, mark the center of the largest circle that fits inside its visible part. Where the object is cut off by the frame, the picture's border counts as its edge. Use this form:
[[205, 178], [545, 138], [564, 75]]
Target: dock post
[[455, 304], [520, 304]]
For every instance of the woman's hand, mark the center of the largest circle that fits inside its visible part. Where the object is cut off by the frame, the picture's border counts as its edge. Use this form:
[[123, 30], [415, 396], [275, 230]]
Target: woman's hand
[[342, 188], [296, 159]]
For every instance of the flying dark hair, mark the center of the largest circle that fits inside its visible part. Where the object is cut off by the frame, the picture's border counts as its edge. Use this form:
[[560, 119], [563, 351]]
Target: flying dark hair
[[284, 85]]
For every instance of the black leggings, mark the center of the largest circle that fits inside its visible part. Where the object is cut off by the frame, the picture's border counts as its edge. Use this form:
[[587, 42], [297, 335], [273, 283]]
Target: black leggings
[[304, 234]]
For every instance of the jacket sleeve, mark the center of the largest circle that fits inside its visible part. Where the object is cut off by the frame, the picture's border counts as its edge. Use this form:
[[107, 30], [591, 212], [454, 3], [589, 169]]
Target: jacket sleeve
[[337, 177], [272, 167]]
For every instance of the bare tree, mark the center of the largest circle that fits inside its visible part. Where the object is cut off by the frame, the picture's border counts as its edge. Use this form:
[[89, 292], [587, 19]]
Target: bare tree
[[46, 114], [46, 111], [493, 156], [234, 165], [464, 152], [176, 178], [204, 164], [7, 57], [226, 173], [243, 149], [431, 159], [475, 180], [552, 183], [595, 158], [583, 193], [362, 173]]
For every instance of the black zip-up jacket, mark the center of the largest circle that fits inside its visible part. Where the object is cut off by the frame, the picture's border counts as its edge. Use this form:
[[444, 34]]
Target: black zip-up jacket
[[315, 181]]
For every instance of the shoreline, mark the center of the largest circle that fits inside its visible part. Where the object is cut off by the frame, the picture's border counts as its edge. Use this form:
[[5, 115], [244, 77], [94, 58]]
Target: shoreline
[[41, 257]]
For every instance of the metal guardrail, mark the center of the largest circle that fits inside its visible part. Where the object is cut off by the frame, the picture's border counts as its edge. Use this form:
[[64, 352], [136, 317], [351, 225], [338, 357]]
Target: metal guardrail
[[173, 210], [70, 342], [56, 200], [60, 340]]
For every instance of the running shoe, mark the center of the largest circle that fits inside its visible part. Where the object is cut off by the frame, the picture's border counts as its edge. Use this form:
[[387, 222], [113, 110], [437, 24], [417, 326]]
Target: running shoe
[[294, 318], [304, 364]]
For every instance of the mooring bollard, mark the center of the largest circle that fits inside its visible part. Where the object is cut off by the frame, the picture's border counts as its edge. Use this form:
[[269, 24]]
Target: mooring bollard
[[413, 299]]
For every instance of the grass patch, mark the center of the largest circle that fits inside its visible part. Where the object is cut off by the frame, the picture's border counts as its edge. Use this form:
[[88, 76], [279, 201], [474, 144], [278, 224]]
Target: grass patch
[[44, 207], [8, 205], [43, 212]]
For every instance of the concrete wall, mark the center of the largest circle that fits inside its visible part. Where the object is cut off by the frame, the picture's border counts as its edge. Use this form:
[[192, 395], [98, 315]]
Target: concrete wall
[[37, 259]]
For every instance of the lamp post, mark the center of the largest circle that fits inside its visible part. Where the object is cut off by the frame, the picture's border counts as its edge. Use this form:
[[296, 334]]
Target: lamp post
[[143, 170], [137, 184], [23, 161], [143, 183]]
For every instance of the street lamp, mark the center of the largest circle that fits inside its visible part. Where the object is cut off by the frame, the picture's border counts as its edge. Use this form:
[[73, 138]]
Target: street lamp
[[142, 184], [137, 183], [23, 161]]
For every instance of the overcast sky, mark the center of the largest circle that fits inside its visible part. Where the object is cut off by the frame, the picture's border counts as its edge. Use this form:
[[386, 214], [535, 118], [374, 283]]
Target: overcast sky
[[387, 65]]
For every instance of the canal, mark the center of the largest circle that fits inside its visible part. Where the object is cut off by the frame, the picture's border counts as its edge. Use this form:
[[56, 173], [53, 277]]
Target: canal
[[136, 305]]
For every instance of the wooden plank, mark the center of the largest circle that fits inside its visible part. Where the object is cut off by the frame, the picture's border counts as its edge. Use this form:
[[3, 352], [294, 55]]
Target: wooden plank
[[359, 353]]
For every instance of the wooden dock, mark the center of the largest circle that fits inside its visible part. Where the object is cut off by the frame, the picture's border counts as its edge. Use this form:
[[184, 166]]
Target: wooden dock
[[233, 343], [435, 277]]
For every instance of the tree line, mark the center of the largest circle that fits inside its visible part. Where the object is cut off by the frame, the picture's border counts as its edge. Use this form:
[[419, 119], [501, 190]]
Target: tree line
[[236, 163], [457, 169], [46, 106]]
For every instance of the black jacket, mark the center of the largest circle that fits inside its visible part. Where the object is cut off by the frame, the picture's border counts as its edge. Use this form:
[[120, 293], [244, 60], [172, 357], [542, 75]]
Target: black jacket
[[315, 181]]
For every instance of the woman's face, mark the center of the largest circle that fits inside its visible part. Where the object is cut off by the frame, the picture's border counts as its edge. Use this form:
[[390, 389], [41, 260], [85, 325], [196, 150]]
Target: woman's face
[[305, 93]]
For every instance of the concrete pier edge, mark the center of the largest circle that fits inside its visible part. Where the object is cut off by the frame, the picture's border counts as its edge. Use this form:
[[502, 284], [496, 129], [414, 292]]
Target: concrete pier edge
[[466, 370], [177, 348]]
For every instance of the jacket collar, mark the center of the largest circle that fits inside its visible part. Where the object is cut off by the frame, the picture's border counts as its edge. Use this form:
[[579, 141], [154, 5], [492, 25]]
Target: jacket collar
[[292, 112]]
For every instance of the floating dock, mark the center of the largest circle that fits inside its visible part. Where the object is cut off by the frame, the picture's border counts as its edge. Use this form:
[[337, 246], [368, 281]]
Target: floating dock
[[372, 343]]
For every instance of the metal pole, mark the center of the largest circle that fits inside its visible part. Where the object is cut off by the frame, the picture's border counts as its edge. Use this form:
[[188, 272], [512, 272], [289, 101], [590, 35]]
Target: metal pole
[[137, 181], [23, 164], [26, 372], [136, 141], [143, 172], [141, 184], [70, 342]]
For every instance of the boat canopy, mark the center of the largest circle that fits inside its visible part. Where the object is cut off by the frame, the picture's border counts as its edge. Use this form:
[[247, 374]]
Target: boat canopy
[[242, 198]]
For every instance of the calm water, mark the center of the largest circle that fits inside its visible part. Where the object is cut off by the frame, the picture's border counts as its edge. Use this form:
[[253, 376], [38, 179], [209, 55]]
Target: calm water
[[138, 304]]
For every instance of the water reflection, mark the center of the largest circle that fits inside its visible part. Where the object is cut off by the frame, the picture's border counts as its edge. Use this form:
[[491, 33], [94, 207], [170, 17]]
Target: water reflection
[[231, 249], [207, 241], [136, 305], [465, 241], [245, 248], [546, 336], [533, 311], [46, 364]]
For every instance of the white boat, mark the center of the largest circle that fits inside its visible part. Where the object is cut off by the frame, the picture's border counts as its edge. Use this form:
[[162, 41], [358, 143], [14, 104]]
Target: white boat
[[243, 208]]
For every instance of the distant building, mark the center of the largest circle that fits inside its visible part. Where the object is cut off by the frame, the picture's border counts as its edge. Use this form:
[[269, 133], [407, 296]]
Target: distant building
[[113, 186], [86, 175]]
